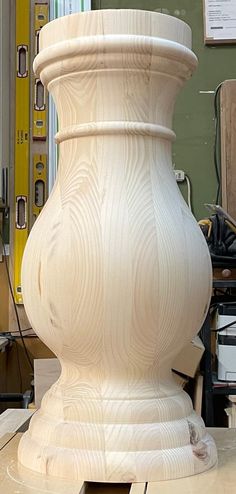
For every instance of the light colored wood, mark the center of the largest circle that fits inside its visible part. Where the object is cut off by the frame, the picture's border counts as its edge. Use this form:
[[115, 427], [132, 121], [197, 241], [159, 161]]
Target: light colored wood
[[231, 411], [198, 390], [221, 479], [6, 438], [15, 479], [180, 380], [228, 145], [138, 488], [12, 419], [46, 373], [116, 273], [232, 398], [218, 480], [7, 454], [188, 360]]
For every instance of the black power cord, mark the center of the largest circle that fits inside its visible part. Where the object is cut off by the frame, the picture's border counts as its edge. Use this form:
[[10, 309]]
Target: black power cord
[[23, 330], [217, 128], [15, 307], [223, 327], [12, 337]]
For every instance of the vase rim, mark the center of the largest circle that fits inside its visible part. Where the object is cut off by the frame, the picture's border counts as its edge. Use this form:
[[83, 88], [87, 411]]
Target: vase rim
[[116, 21]]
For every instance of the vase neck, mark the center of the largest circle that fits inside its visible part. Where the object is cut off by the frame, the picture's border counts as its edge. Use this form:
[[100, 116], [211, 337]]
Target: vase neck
[[115, 76], [118, 101]]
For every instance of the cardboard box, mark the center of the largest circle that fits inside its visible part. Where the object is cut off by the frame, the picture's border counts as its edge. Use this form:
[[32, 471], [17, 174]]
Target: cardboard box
[[188, 360]]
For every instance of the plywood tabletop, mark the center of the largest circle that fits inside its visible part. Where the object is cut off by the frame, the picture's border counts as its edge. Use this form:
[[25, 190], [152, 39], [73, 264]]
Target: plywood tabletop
[[15, 479], [12, 419]]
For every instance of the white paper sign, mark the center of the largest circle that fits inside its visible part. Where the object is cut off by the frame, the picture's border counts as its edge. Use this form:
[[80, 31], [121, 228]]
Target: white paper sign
[[220, 19]]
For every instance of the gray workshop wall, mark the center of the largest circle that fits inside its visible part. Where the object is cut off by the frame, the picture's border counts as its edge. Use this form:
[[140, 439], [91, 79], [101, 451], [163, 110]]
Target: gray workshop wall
[[194, 125]]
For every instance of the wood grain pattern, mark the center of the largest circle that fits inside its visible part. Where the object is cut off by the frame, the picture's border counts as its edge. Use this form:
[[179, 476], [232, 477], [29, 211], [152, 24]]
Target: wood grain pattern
[[228, 145], [116, 273], [217, 480], [15, 478]]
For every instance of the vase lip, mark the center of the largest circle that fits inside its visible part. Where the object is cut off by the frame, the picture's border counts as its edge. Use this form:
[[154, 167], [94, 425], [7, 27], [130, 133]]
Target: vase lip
[[75, 55], [116, 21]]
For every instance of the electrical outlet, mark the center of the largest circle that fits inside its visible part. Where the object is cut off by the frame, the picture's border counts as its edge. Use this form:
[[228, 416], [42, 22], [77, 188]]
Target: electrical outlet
[[179, 175]]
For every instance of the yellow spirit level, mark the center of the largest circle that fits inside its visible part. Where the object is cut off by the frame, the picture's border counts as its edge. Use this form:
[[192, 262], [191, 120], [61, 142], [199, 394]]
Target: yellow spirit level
[[39, 110], [22, 129], [40, 182]]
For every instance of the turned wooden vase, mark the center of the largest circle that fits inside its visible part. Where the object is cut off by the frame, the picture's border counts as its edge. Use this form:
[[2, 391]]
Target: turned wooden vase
[[116, 272]]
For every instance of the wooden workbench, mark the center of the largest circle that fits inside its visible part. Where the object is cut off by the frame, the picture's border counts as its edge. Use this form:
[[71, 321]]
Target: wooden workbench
[[15, 479]]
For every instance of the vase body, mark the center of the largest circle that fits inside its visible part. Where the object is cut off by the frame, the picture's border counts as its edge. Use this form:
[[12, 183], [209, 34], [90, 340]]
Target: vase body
[[116, 273]]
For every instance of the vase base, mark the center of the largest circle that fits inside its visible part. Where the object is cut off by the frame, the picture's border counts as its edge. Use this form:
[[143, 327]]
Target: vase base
[[190, 455]]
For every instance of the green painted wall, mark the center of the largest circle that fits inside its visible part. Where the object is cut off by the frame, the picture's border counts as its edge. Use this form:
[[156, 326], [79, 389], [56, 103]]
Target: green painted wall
[[194, 124]]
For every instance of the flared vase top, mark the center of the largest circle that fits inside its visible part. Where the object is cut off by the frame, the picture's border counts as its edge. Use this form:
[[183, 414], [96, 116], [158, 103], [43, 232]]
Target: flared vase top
[[110, 32]]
